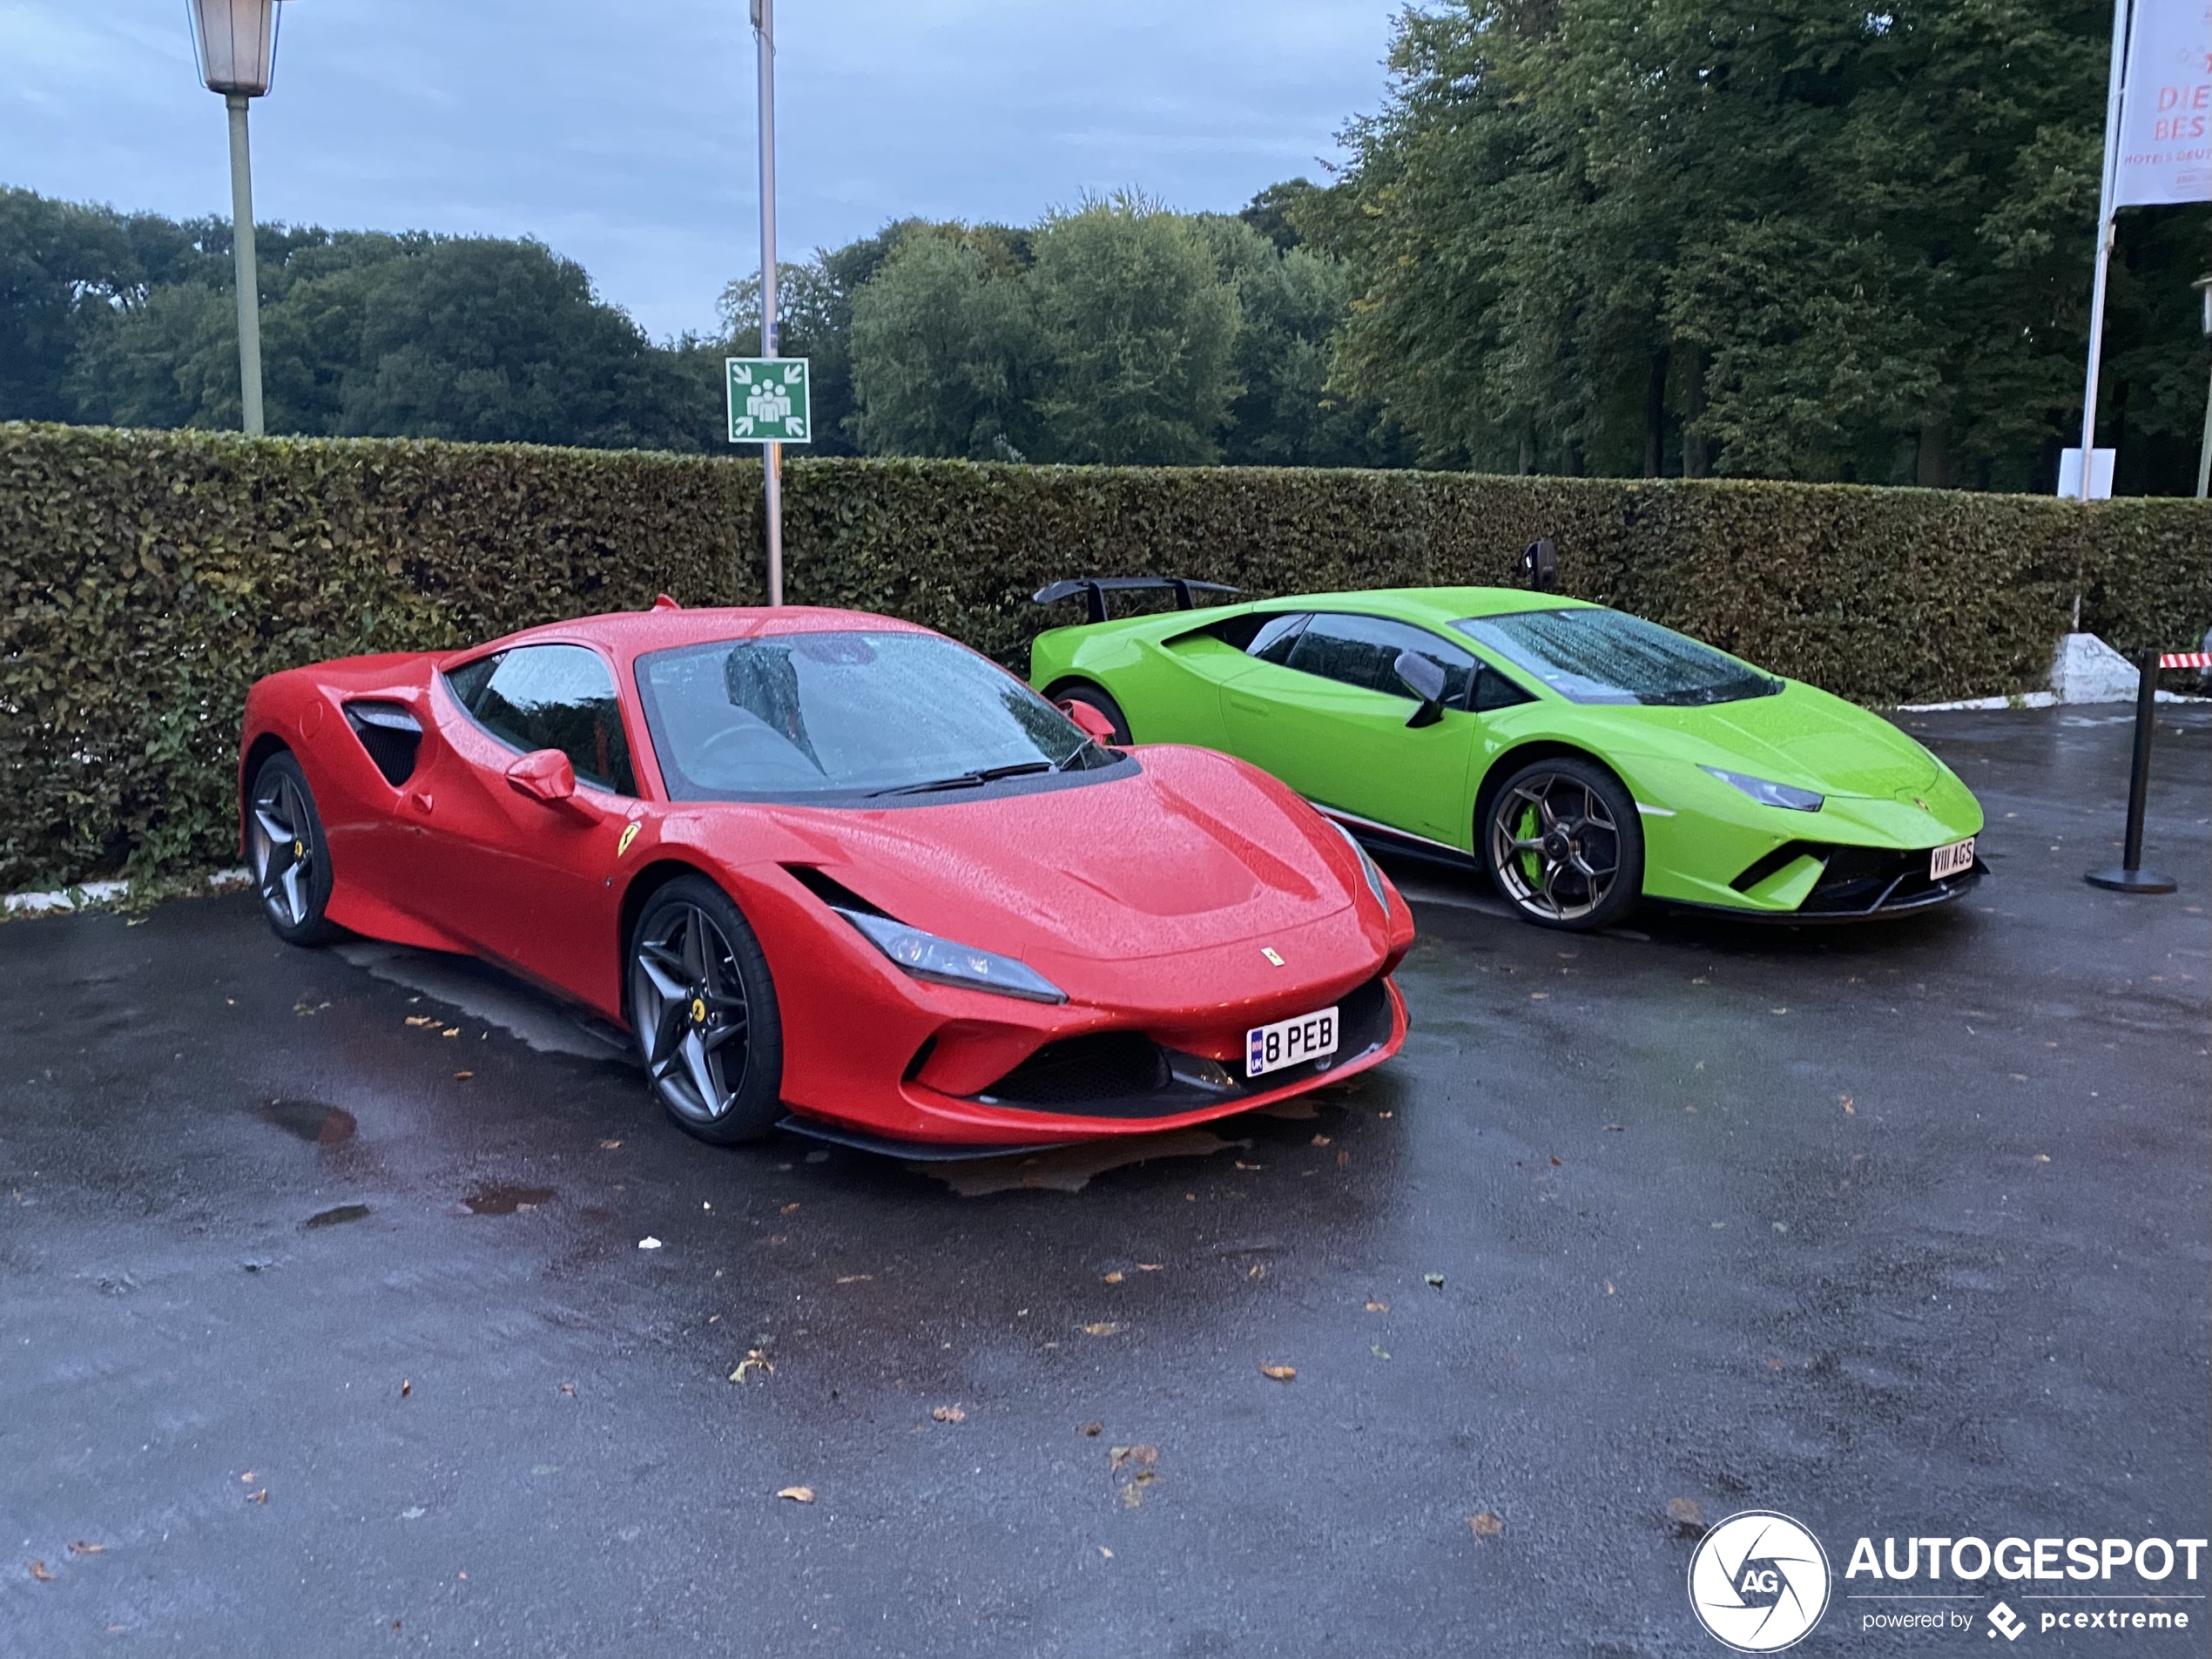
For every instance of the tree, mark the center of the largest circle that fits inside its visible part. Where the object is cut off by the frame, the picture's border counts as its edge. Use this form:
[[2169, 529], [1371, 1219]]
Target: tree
[[944, 349], [1779, 238], [1140, 332]]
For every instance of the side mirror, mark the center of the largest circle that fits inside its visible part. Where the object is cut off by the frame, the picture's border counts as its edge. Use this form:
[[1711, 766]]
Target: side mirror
[[1539, 563], [1425, 681], [1094, 725], [543, 774]]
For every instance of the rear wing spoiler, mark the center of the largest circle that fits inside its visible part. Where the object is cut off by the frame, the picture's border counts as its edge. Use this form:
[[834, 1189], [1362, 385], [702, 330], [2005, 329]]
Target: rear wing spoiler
[[1094, 589]]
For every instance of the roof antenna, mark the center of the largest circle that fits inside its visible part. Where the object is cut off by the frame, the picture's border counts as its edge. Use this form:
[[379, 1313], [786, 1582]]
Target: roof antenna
[[1539, 564]]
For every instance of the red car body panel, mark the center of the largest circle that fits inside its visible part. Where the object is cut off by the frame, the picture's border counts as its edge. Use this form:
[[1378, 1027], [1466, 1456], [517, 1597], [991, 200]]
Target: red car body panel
[[1190, 901]]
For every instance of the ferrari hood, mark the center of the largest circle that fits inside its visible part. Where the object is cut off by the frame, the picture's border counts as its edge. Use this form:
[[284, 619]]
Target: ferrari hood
[[1806, 736], [1193, 851]]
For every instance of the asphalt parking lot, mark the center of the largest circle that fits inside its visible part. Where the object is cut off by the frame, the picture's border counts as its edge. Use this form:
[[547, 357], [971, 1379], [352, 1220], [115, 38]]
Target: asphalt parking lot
[[327, 1325]]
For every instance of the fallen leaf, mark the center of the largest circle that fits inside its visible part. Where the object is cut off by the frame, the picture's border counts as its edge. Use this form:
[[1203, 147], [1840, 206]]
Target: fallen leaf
[[1092, 1430], [1539, 996], [1556, 1163], [420, 1019], [1486, 1525], [1113, 1277], [1617, 1128], [1106, 1553], [1685, 1512], [1320, 1140], [856, 1278], [797, 1494], [407, 1387], [1850, 1106], [463, 1076], [1149, 1267], [787, 1210], [1378, 1350], [649, 1243], [949, 1414], [1344, 1160], [248, 1478], [80, 1547], [1279, 1374], [1243, 1165], [38, 1571], [2042, 1157], [1143, 1456], [755, 1364], [568, 1389], [1373, 1306], [1258, 1270], [1777, 1010], [1608, 1287], [610, 1146], [450, 1031], [1434, 1281], [262, 1496], [1104, 1328]]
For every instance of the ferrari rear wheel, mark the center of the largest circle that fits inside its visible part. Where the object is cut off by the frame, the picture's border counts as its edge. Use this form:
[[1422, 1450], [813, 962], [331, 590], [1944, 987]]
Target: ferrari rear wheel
[[1565, 846], [291, 859], [704, 1009], [1098, 697]]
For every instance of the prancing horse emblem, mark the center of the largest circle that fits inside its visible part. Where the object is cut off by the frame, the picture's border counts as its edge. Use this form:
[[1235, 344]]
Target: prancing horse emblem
[[1268, 951]]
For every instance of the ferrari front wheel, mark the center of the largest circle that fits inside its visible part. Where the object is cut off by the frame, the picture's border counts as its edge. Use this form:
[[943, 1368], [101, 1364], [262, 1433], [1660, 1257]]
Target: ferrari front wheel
[[704, 1009], [1564, 844], [291, 859]]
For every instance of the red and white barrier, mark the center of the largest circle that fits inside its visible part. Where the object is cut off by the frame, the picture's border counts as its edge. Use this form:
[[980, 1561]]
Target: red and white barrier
[[2186, 659]]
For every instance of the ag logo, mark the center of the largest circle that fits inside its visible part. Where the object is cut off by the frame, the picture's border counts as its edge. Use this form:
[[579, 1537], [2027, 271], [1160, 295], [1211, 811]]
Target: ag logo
[[1758, 1582]]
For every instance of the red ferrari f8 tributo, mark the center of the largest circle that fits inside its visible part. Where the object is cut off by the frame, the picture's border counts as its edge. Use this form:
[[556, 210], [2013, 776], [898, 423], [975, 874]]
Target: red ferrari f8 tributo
[[834, 865]]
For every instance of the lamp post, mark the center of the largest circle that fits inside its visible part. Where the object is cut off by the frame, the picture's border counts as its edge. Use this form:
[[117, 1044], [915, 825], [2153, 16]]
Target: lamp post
[[235, 42], [771, 454]]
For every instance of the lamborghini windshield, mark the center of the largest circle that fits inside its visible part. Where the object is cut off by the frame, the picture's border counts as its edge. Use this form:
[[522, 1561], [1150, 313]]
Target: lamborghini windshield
[[1592, 655], [853, 715]]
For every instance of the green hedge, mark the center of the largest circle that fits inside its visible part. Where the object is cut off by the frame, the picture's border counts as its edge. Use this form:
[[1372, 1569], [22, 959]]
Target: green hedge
[[148, 577]]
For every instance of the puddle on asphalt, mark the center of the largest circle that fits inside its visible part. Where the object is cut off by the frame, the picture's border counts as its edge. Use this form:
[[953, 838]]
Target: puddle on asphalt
[[490, 1199], [310, 1119], [337, 1216]]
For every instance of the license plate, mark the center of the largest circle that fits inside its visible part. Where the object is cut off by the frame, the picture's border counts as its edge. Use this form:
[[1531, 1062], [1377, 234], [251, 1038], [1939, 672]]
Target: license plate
[[1290, 1042], [1951, 860]]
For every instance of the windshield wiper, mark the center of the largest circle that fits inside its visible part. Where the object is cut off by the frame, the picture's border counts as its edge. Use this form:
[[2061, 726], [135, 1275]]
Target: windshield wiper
[[968, 780]]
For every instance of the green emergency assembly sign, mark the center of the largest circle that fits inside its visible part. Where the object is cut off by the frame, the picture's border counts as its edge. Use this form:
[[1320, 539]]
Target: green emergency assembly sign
[[768, 400]]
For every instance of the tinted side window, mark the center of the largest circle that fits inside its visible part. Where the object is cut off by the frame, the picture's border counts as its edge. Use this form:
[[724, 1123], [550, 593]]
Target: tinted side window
[[551, 696], [1364, 651], [1272, 640]]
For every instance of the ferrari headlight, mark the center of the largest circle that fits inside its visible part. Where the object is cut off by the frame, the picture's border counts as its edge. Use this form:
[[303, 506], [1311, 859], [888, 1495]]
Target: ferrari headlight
[[942, 963], [1368, 868], [1769, 794]]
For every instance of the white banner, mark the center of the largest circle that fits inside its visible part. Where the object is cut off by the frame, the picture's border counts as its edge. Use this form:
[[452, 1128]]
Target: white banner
[[2166, 118]]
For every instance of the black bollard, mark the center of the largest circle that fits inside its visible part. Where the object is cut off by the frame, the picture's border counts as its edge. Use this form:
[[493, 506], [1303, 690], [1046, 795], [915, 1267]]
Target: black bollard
[[2131, 877]]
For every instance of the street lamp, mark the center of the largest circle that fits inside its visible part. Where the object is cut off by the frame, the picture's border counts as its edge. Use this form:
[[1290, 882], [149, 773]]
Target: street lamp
[[235, 41]]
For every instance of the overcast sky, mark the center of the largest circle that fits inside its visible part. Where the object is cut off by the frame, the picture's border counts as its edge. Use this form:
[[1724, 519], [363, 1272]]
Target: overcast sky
[[623, 134]]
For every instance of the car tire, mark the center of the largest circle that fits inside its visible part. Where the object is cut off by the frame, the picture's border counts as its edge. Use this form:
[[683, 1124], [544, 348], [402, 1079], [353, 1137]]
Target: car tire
[[1564, 844], [703, 1006], [290, 859], [1098, 697]]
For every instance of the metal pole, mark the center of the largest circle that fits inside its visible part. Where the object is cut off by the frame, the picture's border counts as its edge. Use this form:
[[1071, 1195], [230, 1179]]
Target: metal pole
[[2205, 449], [2115, 89], [771, 454], [249, 293], [2131, 877]]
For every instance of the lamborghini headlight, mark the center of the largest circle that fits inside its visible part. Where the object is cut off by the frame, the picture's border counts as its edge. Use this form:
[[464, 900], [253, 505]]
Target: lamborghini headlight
[[1368, 868], [943, 962], [1769, 794]]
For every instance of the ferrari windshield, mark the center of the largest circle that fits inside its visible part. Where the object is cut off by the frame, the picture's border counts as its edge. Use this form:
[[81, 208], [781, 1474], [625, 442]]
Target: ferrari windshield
[[804, 715], [1593, 655]]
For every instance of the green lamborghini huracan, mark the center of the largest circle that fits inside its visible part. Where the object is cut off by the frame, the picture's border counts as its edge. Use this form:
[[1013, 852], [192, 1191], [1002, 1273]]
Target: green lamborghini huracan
[[1588, 759]]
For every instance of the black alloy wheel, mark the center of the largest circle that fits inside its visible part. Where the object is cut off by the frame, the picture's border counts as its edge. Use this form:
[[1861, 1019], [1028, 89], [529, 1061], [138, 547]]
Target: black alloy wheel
[[704, 1009], [291, 861], [1565, 846], [1098, 697]]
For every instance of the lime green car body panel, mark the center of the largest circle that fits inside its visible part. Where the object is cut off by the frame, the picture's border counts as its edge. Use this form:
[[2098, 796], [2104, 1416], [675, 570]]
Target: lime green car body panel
[[1349, 750]]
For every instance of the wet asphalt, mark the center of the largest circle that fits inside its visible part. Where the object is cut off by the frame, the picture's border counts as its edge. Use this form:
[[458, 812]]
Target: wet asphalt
[[312, 1344]]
